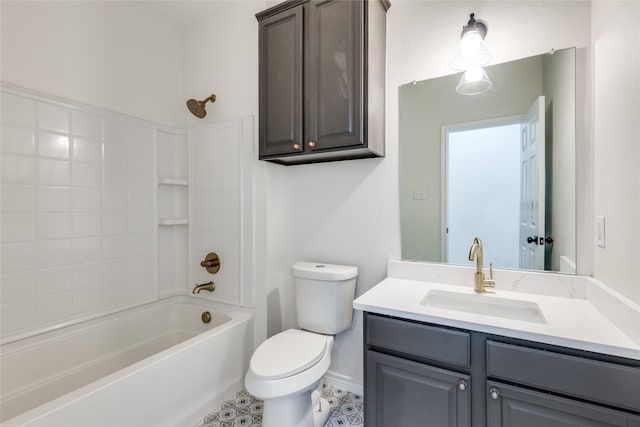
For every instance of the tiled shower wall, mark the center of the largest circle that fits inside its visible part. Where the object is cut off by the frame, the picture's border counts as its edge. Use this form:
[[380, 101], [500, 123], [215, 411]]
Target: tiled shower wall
[[77, 212]]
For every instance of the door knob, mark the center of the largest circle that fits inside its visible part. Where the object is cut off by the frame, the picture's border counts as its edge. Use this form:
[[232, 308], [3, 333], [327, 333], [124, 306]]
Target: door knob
[[311, 144]]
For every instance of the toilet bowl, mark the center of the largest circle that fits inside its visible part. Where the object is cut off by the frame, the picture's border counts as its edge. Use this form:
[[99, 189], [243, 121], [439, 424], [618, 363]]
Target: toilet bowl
[[286, 369], [284, 372]]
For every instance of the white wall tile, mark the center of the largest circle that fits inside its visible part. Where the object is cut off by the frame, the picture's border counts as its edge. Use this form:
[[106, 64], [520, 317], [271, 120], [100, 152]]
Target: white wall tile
[[76, 213], [114, 270], [87, 224], [55, 280], [114, 247], [19, 256], [19, 198], [86, 175], [53, 117], [53, 145], [18, 169], [139, 179], [18, 315], [87, 274], [54, 199], [87, 150], [114, 153], [115, 177], [114, 200], [18, 140], [114, 223], [86, 300], [138, 201], [18, 286], [19, 227], [18, 110], [141, 287], [138, 265], [54, 226], [52, 253], [87, 249], [139, 223], [55, 307], [86, 124], [86, 199], [115, 294], [139, 244], [53, 172]]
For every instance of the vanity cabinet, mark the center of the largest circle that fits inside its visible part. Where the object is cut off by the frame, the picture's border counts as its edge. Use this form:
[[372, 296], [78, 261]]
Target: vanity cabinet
[[415, 375], [321, 80], [454, 377]]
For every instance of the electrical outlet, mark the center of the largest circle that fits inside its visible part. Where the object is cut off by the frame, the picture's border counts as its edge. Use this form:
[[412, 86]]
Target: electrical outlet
[[600, 231], [419, 194]]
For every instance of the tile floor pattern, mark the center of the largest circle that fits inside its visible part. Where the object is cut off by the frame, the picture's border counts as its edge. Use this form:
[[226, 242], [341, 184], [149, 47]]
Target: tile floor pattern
[[244, 410]]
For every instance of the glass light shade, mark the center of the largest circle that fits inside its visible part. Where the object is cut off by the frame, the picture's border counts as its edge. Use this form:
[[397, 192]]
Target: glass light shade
[[473, 82], [471, 52]]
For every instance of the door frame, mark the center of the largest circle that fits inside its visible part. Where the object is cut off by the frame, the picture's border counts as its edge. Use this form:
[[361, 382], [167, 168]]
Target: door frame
[[444, 159]]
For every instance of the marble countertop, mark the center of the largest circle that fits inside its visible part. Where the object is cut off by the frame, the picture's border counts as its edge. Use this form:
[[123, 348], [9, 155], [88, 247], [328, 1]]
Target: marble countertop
[[569, 321]]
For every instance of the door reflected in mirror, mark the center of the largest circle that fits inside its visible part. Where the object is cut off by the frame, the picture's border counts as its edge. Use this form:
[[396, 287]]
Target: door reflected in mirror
[[500, 166]]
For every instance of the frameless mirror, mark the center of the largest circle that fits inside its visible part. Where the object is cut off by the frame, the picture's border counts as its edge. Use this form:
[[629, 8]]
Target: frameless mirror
[[500, 166]]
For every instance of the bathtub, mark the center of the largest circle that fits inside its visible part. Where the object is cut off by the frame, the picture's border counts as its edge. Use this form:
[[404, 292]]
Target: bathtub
[[154, 365]]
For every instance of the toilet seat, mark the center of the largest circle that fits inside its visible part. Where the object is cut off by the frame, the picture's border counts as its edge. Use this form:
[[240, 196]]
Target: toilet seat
[[286, 354]]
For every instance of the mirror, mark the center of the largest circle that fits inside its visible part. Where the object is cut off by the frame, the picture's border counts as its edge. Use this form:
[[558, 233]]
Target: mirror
[[500, 166]]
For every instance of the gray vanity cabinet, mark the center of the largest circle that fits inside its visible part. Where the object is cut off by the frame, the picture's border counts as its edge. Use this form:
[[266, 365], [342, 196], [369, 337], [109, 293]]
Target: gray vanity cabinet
[[451, 377], [321, 80], [512, 406], [401, 389]]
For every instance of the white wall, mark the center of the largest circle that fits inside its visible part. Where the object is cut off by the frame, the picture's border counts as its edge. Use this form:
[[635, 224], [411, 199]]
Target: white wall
[[616, 108], [120, 56], [348, 212]]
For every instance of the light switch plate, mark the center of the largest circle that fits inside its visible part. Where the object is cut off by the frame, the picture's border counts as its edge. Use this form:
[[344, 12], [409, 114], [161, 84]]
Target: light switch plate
[[600, 231]]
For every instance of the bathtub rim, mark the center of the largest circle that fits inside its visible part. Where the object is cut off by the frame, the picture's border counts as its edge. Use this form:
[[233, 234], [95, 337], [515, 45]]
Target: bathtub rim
[[237, 316]]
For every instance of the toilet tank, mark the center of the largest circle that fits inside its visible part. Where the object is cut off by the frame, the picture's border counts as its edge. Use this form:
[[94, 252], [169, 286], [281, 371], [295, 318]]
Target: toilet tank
[[324, 296]]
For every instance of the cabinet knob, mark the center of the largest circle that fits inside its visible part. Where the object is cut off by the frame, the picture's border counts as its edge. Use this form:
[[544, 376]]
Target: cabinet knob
[[494, 393], [296, 146], [462, 385], [311, 144]]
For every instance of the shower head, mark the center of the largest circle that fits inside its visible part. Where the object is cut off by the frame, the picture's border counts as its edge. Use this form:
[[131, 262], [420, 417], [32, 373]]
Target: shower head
[[197, 107]]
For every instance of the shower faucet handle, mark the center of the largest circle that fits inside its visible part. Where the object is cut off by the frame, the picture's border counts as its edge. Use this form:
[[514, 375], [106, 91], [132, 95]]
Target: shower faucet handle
[[211, 263]]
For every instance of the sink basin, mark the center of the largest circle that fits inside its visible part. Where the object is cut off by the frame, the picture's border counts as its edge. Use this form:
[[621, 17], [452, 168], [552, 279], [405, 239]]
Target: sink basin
[[486, 305]]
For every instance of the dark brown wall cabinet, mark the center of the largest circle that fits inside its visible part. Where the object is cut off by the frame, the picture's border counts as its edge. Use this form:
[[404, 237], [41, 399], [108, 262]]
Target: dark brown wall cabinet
[[419, 374], [322, 80]]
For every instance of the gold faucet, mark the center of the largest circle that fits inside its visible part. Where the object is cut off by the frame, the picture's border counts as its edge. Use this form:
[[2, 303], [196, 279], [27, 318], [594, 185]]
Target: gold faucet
[[210, 286], [480, 282]]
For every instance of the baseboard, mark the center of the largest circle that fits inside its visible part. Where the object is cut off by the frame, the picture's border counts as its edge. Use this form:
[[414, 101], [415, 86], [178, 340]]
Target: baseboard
[[343, 382]]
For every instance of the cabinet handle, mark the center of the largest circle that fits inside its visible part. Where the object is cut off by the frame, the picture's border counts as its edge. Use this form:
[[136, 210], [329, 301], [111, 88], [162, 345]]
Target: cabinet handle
[[296, 146], [311, 144], [462, 385], [494, 393]]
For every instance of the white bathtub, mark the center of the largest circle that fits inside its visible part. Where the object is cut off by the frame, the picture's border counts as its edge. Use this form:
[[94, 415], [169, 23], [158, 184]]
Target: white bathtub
[[154, 365]]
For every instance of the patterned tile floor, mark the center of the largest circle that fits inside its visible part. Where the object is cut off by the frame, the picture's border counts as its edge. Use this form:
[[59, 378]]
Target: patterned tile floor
[[243, 410]]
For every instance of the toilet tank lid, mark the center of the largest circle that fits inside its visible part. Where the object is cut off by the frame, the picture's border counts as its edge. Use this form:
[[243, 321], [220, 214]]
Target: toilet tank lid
[[322, 271]]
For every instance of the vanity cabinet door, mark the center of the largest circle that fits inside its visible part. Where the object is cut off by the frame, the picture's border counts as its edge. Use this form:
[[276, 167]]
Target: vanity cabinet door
[[509, 406], [403, 393]]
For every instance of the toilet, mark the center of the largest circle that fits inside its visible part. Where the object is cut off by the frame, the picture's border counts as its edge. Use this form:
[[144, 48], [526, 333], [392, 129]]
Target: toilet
[[287, 368]]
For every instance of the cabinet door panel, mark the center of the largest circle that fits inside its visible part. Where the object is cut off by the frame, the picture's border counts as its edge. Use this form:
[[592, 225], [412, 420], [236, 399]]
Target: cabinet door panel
[[518, 407], [281, 83], [403, 393], [335, 82]]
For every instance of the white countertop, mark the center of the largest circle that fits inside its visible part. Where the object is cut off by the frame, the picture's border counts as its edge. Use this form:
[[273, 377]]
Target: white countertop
[[570, 322]]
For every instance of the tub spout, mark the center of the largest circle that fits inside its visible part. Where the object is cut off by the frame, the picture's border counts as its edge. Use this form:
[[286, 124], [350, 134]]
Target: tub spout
[[210, 286]]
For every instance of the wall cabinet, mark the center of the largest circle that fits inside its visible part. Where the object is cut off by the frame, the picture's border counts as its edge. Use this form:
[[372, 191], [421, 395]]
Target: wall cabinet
[[321, 79], [419, 374]]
